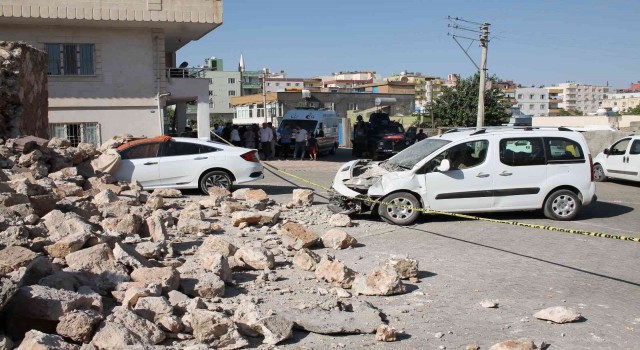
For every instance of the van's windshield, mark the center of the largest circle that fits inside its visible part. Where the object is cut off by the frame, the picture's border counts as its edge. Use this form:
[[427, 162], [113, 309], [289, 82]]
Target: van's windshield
[[309, 125], [412, 155]]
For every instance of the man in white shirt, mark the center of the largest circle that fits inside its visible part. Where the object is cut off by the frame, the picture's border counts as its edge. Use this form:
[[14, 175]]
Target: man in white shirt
[[301, 141], [266, 135]]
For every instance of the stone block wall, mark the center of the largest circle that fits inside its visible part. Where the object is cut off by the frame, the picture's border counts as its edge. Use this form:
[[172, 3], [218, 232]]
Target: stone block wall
[[23, 91]]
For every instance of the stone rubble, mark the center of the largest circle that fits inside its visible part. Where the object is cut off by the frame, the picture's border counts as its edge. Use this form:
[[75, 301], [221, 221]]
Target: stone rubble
[[558, 314], [89, 262]]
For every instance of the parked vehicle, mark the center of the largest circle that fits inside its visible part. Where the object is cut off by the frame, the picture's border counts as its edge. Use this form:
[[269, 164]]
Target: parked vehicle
[[482, 170], [186, 163], [387, 137], [620, 161], [322, 123]]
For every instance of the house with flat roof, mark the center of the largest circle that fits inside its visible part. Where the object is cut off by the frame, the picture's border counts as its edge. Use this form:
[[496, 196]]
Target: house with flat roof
[[112, 64]]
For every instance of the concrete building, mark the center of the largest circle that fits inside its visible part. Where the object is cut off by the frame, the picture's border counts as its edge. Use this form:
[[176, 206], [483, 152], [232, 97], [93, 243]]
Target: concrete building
[[580, 97], [420, 86], [622, 101], [347, 81], [533, 101], [277, 84], [110, 62], [249, 109]]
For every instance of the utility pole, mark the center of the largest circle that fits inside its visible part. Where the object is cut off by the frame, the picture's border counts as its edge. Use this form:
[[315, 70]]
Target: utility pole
[[264, 92], [484, 42]]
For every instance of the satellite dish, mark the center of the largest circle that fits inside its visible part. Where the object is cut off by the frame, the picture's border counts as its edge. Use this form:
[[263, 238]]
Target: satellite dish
[[184, 64]]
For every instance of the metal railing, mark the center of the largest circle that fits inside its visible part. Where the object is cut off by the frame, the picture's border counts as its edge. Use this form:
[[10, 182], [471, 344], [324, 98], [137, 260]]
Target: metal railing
[[185, 72]]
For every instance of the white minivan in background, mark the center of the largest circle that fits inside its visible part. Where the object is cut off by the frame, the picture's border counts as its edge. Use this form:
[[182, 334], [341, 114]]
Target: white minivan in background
[[620, 161], [486, 170], [322, 123]]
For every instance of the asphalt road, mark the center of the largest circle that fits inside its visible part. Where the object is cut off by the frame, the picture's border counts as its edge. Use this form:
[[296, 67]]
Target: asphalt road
[[463, 262]]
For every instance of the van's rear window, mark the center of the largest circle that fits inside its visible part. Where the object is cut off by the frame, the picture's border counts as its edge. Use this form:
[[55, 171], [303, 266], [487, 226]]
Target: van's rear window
[[309, 125]]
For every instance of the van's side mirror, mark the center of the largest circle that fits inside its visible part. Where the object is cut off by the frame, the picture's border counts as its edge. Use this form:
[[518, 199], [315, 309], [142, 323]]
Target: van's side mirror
[[606, 151], [445, 165]]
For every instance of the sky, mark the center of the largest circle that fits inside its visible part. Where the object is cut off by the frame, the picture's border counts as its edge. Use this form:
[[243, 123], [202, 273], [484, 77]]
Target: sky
[[533, 42]]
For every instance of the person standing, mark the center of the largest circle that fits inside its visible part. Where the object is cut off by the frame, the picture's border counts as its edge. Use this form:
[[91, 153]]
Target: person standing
[[235, 136], [249, 137], [301, 141], [421, 135], [274, 139], [312, 147], [359, 137], [266, 135], [285, 140]]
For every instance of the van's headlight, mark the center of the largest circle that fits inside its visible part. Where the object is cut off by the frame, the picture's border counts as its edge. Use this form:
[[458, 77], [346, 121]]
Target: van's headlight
[[346, 168]]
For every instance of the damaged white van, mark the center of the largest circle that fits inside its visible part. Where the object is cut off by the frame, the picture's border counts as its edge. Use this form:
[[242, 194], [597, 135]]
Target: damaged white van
[[471, 170]]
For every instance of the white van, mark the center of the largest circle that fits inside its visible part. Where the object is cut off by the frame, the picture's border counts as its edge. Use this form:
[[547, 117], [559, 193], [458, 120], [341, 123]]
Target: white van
[[322, 123], [482, 170]]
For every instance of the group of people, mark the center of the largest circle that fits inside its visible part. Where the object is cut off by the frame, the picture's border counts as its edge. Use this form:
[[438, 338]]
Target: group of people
[[265, 138]]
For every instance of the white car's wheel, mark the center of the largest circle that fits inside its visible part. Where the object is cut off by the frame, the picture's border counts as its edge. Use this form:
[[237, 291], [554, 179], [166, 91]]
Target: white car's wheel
[[562, 205], [598, 173], [215, 178], [400, 210]]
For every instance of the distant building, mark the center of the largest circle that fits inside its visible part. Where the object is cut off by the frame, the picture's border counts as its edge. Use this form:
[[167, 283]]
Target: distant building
[[346, 81], [622, 101], [222, 87], [277, 84], [420, 86], [580, 97], [635, 87], [533, 101]]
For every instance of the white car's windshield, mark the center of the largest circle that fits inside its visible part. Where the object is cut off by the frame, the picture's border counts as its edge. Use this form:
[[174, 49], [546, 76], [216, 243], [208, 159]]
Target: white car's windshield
[[410, 156]]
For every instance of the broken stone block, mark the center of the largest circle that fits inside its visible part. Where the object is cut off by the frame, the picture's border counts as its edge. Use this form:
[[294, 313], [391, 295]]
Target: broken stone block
[[8, 289], [137, 290], [128, 256], [269, 217], [229, 207], [154, 202], [298, 231], [306, 260], [302, 197], [123, 328], [385, 333], [98, 260], [153, 308], [44, 303], [215, 329], [249, 217], [489, 304], [213, 245], [558, 314], [150, 250], [191, 211], [363, 318], [104, 197], [194, 226], [239, 194], [167, 193], [5, 343], [155, 226], [14, 257], [68, 244], [379, 282], [405, 267], [275, 329], [167, 277], [256, 195], [14, 235], [335, 272], [34, 339], [340, 220], [338, 239], [60, 280], [514, 344], [61, 225], [216, 196], [68, 189], [78, 325], [196, 281], [124, 225], [219, 265], [256, 258]]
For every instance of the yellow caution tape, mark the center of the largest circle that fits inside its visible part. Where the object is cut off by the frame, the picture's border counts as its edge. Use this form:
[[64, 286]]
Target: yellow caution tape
[[465, 216]]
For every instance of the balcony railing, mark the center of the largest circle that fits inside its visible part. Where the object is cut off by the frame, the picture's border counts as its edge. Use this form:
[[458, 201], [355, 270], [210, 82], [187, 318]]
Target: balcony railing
[[251, 85], [185, 72]]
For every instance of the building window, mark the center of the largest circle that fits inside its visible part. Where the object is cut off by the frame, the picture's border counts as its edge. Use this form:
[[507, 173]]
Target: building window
[[211, 104], [519, 96], [532, 107], [231, 80], [70, 59], [288, 84], [210, 80], [520, 106], [77, 132], [230, 106], [232, 92], [542, 97], [268, 84], [353, 107], [297, 84], [210, 93], [277, 84], [531, 96], [542, 107]]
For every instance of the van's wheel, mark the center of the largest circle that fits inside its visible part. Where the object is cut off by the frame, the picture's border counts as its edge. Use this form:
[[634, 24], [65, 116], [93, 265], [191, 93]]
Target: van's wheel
[[598, 173], [562, 205], [400, 209], [333, 149], [215, 178]]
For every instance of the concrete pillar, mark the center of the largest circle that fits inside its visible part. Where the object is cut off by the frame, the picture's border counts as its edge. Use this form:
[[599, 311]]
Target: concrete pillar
[[204, 123], [181, 116]]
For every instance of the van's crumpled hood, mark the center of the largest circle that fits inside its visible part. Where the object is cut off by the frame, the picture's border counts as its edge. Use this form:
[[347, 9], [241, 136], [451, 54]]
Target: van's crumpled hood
[[356, 177]]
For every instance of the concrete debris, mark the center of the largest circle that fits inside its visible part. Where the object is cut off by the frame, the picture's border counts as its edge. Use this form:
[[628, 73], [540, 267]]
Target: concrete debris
[[42, 341], [338, 239], [248, 217], [167, 193], [558, 314], [385, 333], [255, 258], [13, 258], [489, 304], [362, 318], [301, 233], [44, 303], [340, 220], [514, 344], [256, 195], [306, 259], [78, 325], [334, 272], [123, 328], [302, 197], [215, 329], [167, 277], [213, 245], [379, 282], [405, 267]]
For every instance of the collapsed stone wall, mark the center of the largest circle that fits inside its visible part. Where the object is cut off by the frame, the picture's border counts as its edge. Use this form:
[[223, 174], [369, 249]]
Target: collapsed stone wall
[[23, 91]]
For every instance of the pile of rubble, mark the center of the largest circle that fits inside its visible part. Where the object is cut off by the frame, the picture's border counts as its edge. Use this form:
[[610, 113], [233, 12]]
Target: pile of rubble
[[89, 262]]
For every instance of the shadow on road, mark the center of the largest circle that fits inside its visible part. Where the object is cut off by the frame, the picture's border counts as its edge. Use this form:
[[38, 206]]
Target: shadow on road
[[636, 284]]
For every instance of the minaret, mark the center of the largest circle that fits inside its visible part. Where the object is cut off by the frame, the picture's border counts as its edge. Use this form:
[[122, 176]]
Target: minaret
[[241, 64]]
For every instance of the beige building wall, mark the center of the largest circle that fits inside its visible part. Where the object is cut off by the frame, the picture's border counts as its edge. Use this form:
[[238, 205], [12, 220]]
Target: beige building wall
[[580, 121]]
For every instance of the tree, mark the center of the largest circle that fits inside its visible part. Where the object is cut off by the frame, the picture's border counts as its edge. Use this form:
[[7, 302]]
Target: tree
[[632, 111], [458, 106]]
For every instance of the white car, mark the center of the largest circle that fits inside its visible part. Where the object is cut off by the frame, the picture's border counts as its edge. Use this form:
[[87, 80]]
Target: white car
[[184, 163], [620, 161], [474, 171]]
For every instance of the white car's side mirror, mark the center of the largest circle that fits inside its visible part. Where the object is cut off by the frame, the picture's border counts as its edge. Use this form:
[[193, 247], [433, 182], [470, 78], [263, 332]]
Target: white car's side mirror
[[445, 165]]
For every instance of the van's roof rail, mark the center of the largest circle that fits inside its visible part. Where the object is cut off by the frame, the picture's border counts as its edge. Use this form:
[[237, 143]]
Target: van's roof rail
[[563, 128], [448, 131], [479, 131]]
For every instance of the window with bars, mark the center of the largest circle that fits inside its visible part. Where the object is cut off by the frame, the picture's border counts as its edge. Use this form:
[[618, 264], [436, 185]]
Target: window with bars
[[70, 59], [77, 132]]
